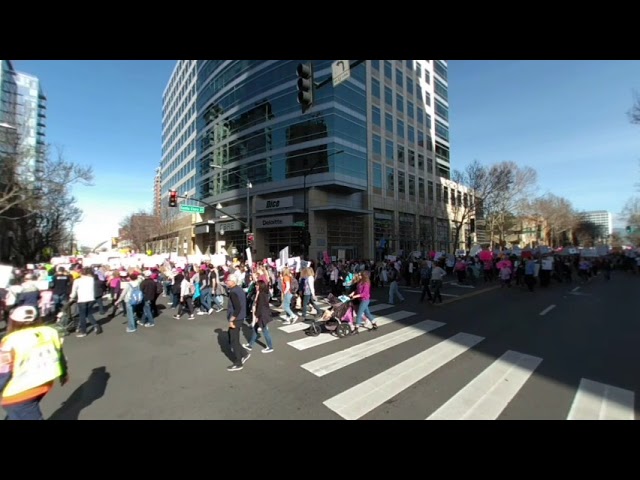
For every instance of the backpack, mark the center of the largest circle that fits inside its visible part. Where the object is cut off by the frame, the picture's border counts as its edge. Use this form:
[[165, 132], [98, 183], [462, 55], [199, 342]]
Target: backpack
[[425, 273], [136, 296], [295, 286]]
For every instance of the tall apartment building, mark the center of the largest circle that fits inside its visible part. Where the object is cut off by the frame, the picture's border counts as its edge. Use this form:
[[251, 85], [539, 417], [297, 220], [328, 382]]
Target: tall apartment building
[[602, 219], [31, 114], [178, 162], [368, 165], [157, 193]]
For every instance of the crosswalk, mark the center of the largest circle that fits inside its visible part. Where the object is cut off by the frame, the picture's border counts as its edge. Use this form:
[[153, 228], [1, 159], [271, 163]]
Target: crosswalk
[[484, 397]]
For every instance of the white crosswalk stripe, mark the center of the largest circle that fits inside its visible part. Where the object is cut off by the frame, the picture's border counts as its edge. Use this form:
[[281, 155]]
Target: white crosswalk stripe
[[485, 397], [598, 401], [335, 361], [364, 397], [489, 393]]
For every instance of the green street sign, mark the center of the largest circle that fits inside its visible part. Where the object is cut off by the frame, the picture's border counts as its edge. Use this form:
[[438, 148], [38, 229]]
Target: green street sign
[[191, 209], [298, 224]]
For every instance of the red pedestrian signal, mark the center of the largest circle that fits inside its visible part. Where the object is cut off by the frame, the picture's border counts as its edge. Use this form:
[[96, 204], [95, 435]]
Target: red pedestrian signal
[[173, 198]]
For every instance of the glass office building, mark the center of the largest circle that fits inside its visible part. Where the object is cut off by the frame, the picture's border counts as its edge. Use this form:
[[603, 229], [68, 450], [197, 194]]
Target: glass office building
[[177, 165], [32, 116], [366, 166]]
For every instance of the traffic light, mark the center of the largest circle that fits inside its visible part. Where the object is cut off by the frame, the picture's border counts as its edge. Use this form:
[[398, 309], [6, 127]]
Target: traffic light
[[173, 198], [305, 85], [307, 238], [301, 237], [250, 239]]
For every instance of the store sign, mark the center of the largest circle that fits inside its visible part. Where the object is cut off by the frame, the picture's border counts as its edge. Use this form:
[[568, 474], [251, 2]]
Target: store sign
[[228, 226], [275, 222], [274, 203]]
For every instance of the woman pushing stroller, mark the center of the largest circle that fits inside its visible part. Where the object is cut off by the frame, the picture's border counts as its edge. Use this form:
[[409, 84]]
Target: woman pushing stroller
[[363, 294]]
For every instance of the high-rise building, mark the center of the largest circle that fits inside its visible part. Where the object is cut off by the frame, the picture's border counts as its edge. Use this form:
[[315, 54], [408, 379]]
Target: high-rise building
[[178, 163], [8, 95], [602, 219], [366, 168], [157, 193], [31, 114]]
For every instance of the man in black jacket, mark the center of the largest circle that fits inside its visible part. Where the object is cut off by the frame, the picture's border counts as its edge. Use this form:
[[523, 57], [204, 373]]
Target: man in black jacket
[[236, 313], [149, 292]]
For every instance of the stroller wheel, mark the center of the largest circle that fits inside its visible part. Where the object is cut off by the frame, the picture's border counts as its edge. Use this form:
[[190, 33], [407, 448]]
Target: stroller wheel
[[343, 330], [313, 330]]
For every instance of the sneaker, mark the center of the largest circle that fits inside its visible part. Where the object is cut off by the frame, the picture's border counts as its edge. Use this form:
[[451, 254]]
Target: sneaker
[[201, 313], [210, 311], [140, 323], [131, 330], [267, 350], [245, 358], [191, 317], [247, 346], [294, 319], [81, 334], [177, 317], [234, 368], [149, 325]]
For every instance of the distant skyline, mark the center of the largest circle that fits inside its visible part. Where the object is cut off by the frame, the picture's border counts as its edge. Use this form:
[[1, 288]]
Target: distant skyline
[[566, 119]]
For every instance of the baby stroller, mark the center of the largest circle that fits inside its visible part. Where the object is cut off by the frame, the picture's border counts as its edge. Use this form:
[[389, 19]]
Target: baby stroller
[[337, 319]]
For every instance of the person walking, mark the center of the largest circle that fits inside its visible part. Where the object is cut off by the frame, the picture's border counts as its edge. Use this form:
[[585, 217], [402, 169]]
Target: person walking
[[31, 359], [236, 313]]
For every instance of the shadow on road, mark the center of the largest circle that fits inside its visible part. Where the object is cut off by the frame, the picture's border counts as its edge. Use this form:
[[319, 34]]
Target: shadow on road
[[223, 342], [83, 396]]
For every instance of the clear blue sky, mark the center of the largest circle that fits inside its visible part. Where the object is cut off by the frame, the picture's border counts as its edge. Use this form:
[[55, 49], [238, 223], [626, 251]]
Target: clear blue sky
[[567, 119]]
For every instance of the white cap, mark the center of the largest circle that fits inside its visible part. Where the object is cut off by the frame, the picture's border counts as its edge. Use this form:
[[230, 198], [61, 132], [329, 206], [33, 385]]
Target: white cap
[[24, 314]]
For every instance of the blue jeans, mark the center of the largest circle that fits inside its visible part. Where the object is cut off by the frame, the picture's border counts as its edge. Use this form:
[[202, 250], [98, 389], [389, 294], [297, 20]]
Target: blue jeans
[[205, 298], [147, 316], [84, 312], [265, 332], [29, 410], [363, 309], [287, 305], [131, 318]]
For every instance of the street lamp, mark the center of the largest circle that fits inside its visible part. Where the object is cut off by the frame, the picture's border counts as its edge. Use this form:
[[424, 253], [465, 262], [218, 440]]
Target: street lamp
[[249, 186], [305, 194]]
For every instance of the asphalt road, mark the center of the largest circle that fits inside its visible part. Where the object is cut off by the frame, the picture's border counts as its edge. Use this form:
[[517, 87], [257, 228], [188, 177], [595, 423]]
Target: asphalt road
[[487, 353]]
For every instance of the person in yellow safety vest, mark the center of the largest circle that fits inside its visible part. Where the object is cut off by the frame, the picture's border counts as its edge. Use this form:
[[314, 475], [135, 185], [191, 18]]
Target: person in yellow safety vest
[[31, 359]]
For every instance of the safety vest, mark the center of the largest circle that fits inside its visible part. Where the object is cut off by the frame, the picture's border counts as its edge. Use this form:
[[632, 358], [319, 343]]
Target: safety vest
[[36, 358]]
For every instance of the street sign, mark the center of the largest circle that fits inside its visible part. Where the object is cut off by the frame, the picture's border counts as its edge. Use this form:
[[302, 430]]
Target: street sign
[[298, 224], [191, 209], [340, 71]]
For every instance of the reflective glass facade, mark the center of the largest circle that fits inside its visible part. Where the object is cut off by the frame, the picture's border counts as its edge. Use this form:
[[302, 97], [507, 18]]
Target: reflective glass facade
[[249, 123], [177, 166], [31, 108], [361, 165]]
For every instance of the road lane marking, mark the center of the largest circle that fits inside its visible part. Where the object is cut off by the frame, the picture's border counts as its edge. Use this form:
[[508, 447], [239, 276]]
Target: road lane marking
[[487, 395], [547, 310], [599, 401], [335, 361], [370, 394]]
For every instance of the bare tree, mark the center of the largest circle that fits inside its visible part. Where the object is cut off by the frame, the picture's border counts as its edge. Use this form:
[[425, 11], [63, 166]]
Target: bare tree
[[28, 174], [512, 187], [36, 204], [138, 228], [480, 185], [558, 213], [631, 214]]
